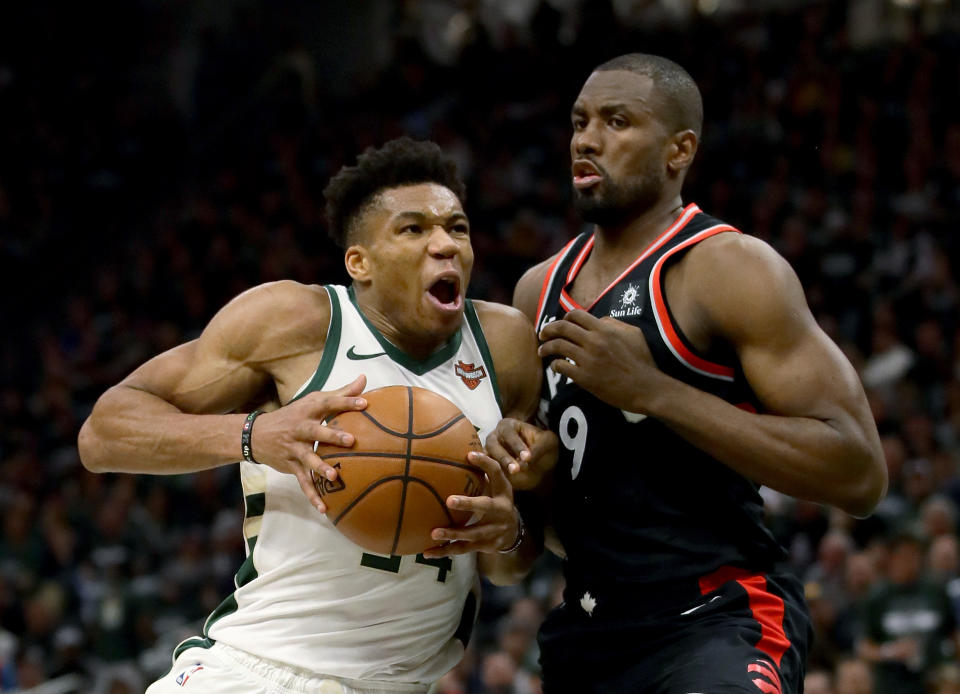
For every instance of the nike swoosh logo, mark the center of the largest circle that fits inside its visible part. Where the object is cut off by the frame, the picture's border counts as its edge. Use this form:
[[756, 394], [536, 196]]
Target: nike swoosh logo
[[351, 354]]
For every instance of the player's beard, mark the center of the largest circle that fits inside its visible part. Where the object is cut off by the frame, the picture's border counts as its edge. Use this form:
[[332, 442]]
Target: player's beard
[[613, 204]]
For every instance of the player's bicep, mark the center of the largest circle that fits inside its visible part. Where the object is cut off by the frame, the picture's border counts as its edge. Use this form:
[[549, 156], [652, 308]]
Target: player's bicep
[[196, 381], [793, 367], [206, 375], [807, 376]]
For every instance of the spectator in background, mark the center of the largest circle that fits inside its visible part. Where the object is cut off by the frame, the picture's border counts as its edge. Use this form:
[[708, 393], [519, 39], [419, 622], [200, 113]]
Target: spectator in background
[[853, 676], [817, 682], [945, 679], [909, 625]]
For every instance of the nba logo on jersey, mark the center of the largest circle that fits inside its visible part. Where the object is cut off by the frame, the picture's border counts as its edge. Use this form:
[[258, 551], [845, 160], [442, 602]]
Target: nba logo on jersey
[[629, 306], [185, 675]]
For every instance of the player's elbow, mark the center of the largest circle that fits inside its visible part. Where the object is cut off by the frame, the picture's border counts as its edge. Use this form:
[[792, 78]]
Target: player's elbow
[[865, 491], [89, 447]]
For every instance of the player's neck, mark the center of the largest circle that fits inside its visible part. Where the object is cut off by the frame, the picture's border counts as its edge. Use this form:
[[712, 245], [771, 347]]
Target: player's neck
[[417, 347], [615, 243]]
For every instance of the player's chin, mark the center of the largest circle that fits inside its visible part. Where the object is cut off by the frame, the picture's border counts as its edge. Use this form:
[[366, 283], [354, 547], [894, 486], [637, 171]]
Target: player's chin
[[441, 322]]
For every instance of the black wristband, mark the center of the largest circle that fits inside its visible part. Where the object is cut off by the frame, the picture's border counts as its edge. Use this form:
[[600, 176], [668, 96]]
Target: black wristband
[[245, 446], [519, 541]]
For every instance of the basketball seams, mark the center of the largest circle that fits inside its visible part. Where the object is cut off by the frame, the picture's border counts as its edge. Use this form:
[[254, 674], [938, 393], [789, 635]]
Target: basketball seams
[[406, 471], [405, 479], [401, 456], [410, 434]]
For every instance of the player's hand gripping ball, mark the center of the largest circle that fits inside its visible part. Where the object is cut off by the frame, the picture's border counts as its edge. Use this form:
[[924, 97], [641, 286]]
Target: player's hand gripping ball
[[392, 485]]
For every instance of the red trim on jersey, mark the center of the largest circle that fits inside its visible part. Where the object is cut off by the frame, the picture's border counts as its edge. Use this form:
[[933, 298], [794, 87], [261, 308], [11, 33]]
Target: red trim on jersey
[[746, 406], [688, 213], [550, 270], [660, 307], [766, 607], [581, 257]]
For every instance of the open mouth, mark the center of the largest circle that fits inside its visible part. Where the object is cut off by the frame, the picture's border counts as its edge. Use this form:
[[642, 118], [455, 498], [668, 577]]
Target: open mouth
[[446, 293], [585, 174]]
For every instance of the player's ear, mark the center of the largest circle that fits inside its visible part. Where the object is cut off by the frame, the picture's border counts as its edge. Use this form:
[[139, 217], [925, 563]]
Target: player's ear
[[681, 150], [357, 261]]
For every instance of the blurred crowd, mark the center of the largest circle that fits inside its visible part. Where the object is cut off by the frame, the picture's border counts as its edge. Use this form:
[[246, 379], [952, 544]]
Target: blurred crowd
[[157, 158]]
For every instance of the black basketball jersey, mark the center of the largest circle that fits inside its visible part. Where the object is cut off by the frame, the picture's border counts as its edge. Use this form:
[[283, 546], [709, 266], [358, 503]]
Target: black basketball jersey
[[634, 504]]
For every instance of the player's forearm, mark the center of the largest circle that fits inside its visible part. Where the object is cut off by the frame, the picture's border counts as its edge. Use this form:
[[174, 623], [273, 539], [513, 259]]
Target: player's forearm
[[824, 461], [130, 430]]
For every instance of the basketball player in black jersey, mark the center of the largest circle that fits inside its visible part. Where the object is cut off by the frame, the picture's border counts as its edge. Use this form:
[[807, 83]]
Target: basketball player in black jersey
[[683, 370]]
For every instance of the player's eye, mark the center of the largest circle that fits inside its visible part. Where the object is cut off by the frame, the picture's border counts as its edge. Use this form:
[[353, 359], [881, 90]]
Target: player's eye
[[619, 122], [411, 229], [460, 228], [579, 123]]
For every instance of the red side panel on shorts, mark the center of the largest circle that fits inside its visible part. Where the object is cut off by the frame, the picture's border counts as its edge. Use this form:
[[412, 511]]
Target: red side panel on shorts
[[767, 608]]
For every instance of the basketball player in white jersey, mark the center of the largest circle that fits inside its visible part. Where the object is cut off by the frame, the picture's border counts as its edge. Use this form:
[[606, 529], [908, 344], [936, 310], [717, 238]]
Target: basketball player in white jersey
[[313, 612]]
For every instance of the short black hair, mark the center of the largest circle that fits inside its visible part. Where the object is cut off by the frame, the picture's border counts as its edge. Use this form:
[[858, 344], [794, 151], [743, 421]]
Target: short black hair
[[399, 162], [679, 94]]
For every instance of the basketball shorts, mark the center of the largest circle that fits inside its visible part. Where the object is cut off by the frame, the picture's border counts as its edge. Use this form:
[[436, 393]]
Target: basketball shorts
[[746, 633], [222, 669]]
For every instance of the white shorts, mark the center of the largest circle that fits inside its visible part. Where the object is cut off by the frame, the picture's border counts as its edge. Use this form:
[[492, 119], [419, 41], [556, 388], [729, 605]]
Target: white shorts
[[222, 669]]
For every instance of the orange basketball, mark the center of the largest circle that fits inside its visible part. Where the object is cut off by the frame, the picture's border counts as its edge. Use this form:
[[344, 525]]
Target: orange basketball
[[392, 485]]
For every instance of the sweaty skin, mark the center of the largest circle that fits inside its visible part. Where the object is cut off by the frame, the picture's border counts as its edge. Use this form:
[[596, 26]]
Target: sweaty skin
[[182, 411]]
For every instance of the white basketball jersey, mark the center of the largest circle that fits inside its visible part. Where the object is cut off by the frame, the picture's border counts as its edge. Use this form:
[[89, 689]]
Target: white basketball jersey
[[309, 598]]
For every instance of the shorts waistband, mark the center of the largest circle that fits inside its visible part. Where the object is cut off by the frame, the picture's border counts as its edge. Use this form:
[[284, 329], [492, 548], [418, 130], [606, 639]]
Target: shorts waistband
[[297, 680], [648, 600]]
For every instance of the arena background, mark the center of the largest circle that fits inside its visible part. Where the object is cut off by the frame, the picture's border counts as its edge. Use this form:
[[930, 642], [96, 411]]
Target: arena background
[[158, 157]]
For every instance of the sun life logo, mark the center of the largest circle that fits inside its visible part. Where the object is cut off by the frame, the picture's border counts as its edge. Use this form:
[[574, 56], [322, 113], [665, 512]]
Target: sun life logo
[[628, 303]]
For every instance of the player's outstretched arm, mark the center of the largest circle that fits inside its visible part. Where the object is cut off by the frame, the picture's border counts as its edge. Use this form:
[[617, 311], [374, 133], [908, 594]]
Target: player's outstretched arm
[[814, 438], [177, 412]]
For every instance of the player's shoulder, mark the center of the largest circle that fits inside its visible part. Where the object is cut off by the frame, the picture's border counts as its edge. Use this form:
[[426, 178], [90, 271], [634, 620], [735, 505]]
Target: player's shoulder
[[508, 332], [500, 321], [737, 262], [513, 348], [275, 316], [526, 295], [282, 300], [742, 284]]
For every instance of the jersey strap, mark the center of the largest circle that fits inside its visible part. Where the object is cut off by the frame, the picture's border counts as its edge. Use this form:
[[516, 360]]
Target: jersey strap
[[669, 333], [548, 280], [330, 347]]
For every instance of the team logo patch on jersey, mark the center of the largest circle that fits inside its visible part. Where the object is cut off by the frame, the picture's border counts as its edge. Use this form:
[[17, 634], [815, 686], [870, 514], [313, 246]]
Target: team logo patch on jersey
[[470, 374], [185, 675], [629, 303], [769, 683]]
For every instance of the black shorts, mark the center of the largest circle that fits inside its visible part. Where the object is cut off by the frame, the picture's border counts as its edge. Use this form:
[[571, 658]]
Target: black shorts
[[747, 633]]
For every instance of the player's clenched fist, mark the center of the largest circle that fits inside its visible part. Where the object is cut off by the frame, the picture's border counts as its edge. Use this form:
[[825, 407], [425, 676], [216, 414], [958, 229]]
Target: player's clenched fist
[[605, 356], [285, 438], [523, 450]]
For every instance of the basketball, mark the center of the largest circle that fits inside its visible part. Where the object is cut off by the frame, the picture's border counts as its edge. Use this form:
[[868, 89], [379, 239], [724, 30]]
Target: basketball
[[410, 454]]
